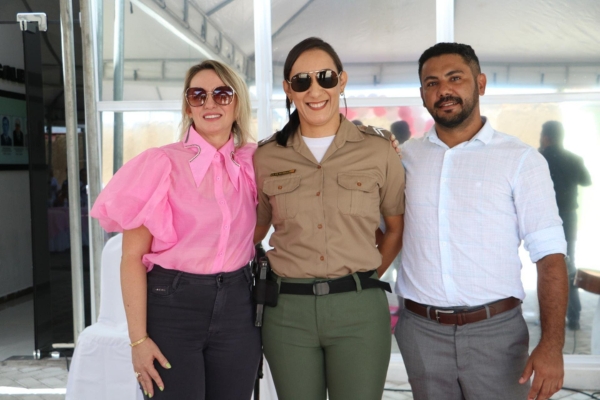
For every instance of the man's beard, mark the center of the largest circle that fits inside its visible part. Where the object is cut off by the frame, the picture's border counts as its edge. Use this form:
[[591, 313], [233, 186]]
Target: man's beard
[[452, 121]]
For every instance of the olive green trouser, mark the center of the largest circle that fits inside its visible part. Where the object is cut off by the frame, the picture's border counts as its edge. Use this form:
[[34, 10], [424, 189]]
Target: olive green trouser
[[336, 343]]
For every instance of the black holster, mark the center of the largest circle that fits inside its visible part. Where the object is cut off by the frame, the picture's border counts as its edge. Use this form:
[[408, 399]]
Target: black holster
[[265, 291]]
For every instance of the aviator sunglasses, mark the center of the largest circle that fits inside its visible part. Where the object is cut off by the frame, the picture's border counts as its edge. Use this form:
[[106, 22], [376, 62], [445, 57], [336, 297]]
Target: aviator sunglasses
[[326, 78], [196, 97]]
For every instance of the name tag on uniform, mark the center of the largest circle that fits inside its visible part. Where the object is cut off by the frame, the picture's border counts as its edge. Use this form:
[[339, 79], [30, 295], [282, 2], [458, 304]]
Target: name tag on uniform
[[291, 171]]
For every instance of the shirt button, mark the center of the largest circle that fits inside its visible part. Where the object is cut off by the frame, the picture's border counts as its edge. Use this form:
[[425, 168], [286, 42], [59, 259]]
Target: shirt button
[[279, 187], [320, 226], [222, 202], [218, 178], [220, 254], [318, 193], [226, 227], [358, 184], [217, 155], [318, 167], [322, 258]]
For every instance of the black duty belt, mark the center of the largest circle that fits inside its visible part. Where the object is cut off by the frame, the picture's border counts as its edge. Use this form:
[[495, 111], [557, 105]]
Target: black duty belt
[[341, 285]]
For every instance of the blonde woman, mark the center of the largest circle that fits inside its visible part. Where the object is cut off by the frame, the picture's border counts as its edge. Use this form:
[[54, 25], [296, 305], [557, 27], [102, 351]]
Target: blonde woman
[[187, 211]]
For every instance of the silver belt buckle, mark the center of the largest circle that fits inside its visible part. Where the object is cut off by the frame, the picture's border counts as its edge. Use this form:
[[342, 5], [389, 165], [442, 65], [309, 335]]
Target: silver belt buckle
[[321, 288], [437, 315]]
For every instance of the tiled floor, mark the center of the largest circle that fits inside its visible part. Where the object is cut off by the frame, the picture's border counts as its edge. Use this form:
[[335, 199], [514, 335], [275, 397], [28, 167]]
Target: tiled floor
[[46, 379]]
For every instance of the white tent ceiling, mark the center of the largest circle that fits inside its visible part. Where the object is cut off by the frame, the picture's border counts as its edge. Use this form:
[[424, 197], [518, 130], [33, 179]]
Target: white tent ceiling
[[534, 42]]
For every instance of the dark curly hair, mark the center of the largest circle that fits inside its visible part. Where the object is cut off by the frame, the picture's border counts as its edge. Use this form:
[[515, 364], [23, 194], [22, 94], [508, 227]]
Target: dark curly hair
[[464, 50]]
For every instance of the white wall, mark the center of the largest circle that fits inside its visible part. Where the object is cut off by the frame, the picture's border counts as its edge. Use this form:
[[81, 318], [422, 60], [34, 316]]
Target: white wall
[[16, 266], [11, 51]]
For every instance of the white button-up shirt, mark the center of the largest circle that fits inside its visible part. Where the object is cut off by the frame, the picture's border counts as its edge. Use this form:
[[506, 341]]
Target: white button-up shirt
[[467, 210]]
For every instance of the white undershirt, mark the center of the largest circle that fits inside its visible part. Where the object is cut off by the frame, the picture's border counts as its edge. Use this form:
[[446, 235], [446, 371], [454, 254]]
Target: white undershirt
[[318, 146]]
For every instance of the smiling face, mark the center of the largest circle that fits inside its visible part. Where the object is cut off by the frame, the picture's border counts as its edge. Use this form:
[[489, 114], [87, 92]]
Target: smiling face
[[450, 90], [318, 108], [211, 120]]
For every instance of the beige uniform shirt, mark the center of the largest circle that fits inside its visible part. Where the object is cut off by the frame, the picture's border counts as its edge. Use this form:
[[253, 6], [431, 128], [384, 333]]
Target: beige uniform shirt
[[325, 214]]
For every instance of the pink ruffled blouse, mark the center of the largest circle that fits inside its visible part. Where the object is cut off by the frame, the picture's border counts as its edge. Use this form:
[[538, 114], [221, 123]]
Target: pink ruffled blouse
[[199, 204]]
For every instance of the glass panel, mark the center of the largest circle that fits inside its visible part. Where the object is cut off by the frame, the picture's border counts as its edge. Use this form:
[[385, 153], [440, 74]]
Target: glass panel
[[141, 131], [163, 38], [581, 123]]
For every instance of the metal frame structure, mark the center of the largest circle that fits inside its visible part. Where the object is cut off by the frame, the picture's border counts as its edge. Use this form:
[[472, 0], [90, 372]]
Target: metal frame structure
[[266, 104]]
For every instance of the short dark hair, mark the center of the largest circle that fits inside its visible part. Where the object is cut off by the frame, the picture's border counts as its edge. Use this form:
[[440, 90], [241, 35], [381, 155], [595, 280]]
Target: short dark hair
[[554, 131], [401, 131], [464, 50], [311, 43]]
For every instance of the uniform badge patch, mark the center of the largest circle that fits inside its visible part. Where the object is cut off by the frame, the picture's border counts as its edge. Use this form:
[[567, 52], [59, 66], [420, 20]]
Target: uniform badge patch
[[291, 171]]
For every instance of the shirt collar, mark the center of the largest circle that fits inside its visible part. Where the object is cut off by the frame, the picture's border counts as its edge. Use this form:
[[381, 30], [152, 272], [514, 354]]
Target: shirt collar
[[484, 135], [205, 153], [347, 132]]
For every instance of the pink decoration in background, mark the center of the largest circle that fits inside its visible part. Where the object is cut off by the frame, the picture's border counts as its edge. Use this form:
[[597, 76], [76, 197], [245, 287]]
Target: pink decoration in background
[[350, 115], [379, 111], [428, 124]]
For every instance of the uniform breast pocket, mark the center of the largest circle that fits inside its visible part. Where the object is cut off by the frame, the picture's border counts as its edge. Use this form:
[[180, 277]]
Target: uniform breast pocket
[[358, 194], [283, 196]]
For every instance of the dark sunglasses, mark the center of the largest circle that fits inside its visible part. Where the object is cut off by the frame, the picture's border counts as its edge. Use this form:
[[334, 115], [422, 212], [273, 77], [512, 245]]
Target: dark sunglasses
[[326, 78], [196, 97]]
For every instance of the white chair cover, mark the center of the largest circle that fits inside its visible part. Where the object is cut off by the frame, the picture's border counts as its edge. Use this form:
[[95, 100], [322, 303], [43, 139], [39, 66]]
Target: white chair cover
[[101, 366], [267, 387]]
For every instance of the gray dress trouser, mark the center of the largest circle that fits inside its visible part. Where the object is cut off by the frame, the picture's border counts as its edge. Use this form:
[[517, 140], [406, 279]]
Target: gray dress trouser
[[482, 360]]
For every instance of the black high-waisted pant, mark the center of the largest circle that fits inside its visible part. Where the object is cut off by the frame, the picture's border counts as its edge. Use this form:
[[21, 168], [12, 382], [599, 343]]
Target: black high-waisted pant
[[204, 326]]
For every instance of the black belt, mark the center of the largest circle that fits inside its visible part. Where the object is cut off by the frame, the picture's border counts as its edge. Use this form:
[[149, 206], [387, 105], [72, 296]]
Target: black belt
[[341, 285]]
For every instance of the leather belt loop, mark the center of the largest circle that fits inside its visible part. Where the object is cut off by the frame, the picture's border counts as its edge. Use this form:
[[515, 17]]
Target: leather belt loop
[[487, 311], [176, 280], [357, 281], [428, 312]]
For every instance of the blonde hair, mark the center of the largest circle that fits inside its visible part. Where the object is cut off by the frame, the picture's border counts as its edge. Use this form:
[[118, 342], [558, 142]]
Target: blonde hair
[[241, 125]]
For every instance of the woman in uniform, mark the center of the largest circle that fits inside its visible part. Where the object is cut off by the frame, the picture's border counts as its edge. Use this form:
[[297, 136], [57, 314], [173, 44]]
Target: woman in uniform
[[323, 184], [187, 212]]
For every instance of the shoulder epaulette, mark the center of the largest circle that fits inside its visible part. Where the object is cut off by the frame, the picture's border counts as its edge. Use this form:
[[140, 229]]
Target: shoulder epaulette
[[373, 130], [267, 140]]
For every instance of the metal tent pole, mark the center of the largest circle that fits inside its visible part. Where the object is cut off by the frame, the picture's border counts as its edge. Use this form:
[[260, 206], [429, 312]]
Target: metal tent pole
[[93, 149], [264, 66], [444, 21], [119, 71], [68, 55]]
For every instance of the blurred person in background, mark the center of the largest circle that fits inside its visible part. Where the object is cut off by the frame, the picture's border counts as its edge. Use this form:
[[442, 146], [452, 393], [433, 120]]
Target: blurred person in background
[[401, 131], [568, 172]]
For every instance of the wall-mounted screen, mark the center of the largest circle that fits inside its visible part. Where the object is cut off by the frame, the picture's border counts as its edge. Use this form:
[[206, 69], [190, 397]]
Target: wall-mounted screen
[[13, 129]]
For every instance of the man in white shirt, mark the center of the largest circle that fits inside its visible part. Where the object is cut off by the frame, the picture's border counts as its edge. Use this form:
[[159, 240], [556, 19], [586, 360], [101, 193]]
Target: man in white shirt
[[472, 195]]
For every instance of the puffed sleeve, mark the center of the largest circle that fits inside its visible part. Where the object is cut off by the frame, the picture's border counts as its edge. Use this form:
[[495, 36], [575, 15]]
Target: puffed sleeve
[[243, 156], [138, 195]]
